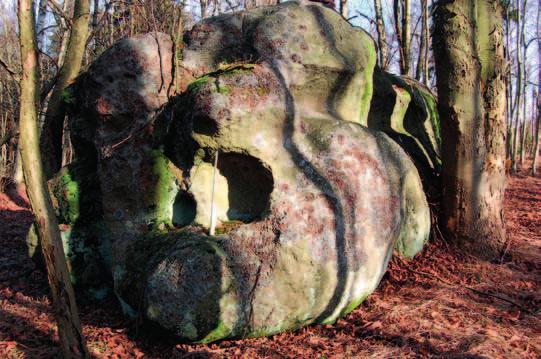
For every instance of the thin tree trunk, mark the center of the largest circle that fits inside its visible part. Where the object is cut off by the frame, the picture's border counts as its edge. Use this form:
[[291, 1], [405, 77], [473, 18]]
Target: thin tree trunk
[[382, 35], [66, 7], [344, 8], [422, 65], [40, 23], [536, 146], [204, 8], [524, 77], [509, 87], [51, 138], [401, 10], [95, 14], [470, 63], [520, 79], [406, 33], [63, 298]]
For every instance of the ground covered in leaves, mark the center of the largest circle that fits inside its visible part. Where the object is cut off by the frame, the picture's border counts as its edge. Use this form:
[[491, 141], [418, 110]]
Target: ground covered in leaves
[[441, 304]]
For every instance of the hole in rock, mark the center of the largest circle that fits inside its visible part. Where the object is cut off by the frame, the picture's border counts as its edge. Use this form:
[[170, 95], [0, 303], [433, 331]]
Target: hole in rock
[[184, 209], [205, 125], [250, 186]]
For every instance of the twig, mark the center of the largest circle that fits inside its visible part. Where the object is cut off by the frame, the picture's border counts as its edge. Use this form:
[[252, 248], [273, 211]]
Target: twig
[[486, 294]]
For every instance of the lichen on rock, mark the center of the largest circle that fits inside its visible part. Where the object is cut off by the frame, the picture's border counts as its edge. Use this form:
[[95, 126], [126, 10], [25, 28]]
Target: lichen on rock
[[309, 203]]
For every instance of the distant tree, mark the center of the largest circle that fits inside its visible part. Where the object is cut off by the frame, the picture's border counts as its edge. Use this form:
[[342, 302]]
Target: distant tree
[[470, 68], [382, 36], [402, 12], [538, 122], [53, 126], [422, 62], [63, 298]]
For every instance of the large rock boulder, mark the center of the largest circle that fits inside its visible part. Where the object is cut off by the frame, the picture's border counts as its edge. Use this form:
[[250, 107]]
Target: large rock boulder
[[259, 130]]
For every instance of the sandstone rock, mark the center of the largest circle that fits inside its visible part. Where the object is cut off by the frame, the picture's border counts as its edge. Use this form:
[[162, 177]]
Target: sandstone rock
[[407, 111], [309, 202]]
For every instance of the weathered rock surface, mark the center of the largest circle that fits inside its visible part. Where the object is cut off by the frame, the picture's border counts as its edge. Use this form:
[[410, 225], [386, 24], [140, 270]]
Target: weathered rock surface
[[309, 203], [407, 111]]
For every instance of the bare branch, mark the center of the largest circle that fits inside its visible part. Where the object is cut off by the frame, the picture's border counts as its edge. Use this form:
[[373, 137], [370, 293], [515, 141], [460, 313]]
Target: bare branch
[[58, 10]]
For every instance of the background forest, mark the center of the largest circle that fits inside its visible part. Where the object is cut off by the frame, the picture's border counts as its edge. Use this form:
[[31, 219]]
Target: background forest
[[473, 290], [401, 28]]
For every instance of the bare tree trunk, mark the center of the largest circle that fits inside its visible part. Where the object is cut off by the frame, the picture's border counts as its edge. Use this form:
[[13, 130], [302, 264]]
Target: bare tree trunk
[[382, 35], [470, 63], [536, 146], [509, 88], [204, 8], [95, 14], [422, 63], [66, 7], [524, 79], [406, 36], [40, 23], [65, 307], [51, 138], [401, 10], [520, 79], [344, 8]]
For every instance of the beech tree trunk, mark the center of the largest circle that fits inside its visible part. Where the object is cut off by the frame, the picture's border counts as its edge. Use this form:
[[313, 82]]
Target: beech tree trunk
[[40, 24], [538, 125], [470, 63], [524, 79], [51, 137], [520, 78], [422, 63], [401, 10], [65, 307], [344, 8], [382, 35]]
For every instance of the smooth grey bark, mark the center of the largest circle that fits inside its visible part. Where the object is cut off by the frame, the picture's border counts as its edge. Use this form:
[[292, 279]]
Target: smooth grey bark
[[538, 125], [382, 35], [470, 63], [524, 79], [344, 8], [520, 79], [40, 23], [422, 63], [401, 9]]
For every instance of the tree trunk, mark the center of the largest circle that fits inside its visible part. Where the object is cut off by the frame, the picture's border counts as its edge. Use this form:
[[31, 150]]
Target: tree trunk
[[382, 35], [536, 146], [406, 37], [203, 4], [65, 307], [51, 138], [344, 8], [524, 79], [470, 63], [520, 79], [422, 63], [401, 10], [40, 23]]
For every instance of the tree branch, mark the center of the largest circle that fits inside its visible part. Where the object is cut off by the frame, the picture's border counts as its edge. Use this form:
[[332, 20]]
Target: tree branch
[[57, 9]]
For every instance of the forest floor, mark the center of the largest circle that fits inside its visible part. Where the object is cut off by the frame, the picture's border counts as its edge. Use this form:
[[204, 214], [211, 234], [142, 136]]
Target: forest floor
[[422, 308]]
